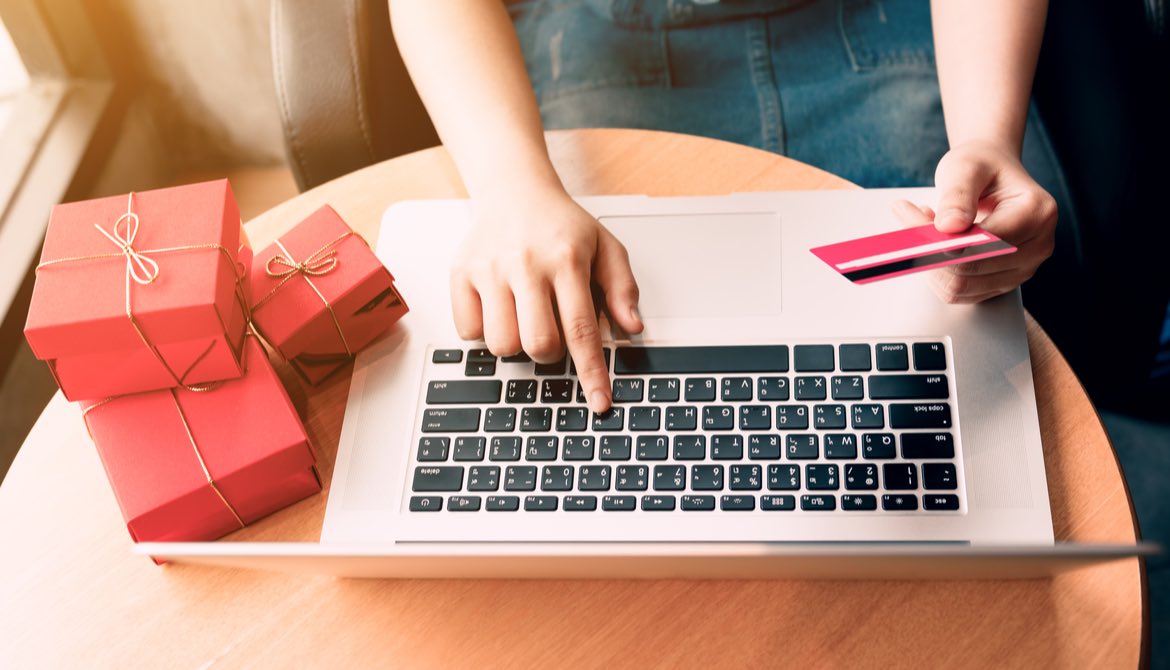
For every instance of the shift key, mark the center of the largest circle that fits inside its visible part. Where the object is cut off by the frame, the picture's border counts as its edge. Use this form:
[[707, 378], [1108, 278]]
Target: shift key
[[920, 415], [454, 420]]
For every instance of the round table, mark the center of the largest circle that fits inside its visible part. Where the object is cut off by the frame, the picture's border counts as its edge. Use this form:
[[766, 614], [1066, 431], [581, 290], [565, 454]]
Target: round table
[[73, 594]]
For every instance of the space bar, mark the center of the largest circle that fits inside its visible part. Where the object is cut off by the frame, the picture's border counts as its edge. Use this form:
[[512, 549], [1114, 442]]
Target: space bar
[[683, 360]]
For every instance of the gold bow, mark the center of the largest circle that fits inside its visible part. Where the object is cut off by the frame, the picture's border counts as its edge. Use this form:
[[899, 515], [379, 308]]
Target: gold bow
[[141, 268]]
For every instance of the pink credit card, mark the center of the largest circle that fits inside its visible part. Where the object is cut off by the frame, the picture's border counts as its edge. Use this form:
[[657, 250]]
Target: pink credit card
[[869, 259]]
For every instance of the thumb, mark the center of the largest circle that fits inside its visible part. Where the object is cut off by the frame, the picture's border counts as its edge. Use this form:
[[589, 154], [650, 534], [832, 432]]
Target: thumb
[[961, 182], [611, 270]]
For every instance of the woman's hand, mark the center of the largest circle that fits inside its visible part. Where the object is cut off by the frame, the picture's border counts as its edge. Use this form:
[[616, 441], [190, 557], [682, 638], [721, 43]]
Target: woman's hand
[[981, 178], [521, 280]]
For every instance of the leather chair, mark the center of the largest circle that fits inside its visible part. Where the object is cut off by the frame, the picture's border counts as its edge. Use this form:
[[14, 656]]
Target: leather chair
[[346, 101]]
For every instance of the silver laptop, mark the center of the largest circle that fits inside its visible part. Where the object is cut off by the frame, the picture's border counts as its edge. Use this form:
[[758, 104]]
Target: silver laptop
[[772, 419]]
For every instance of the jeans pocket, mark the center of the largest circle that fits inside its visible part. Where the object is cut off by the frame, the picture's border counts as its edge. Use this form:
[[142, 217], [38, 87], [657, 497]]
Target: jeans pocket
[[886, 33]]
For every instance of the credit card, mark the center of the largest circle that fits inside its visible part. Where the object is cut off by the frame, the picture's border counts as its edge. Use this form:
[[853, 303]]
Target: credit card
[[877, 257]]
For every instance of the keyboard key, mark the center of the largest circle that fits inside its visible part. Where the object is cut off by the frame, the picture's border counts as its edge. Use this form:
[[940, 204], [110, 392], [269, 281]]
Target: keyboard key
[[940, 501], [520, 478], [859, 502], [593, 478], [462, 420], [930, 356], [718, 417], [900, 502], [483, 478], [792, 417], [474, 369], [503, 503], [572, 419], [818, 503], [783, 477], [744, 477], [700, 389], [821, 477], [908, 387], [812, 358], [540, 503], [632, 478], [735, 389], [801, 447], [670, 477], [447, 356], [535, 419], [893, 357], [521, 391], [840, 445], [464, 391], [619, 503], [848, 387], [427, 503], [763, 446], [777, 503], [628, 390], [900, 476], [440, 478], [829, 417], [541, 448], [868, 416], [698, 360], [855, 358], [737, 503], [726, 447], [681, 418], [707, 477], [580, 503], [652, 447], [928, 445], [606, 353], [553, 391], [811, 388], [657, 503], [613, 418], [433, 448], [922, 415], [690, 447], [556, 368], [939, 476], [505, 449], [469, 448], [499, 419], [615, 448], [645, 418], [463, 503], [773, 389], [698, 503], [755, 417], [861, 477], [481, 355], [578, 448], [516, 358], [877, 445], [663, 389], [556, 478]]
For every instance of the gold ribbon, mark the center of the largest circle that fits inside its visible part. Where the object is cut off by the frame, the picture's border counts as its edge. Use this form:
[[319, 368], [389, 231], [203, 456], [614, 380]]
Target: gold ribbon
[[143, 270], [319, 263]]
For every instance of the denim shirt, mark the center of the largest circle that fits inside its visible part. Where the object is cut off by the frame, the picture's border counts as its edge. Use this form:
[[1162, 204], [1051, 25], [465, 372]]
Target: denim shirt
[[657, 14]]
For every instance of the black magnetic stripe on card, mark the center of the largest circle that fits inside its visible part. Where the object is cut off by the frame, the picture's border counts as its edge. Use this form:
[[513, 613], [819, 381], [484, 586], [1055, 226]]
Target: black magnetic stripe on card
[[923, 261]]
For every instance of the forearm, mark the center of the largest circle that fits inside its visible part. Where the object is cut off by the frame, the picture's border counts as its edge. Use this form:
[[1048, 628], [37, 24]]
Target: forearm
[[986, 53], [465, 61]]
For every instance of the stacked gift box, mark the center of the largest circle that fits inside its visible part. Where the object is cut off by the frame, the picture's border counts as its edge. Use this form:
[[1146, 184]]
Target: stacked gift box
[[145, 307]]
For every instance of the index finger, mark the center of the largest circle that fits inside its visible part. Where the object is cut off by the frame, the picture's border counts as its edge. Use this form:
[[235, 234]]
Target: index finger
[[583, 338]]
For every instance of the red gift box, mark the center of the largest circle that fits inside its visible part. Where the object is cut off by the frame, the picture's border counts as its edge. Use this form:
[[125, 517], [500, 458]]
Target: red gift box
[[196, 464], [321, 295], [142, 292]]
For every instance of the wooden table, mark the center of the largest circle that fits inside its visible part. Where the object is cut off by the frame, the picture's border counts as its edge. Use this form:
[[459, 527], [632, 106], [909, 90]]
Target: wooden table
[[71, 593]]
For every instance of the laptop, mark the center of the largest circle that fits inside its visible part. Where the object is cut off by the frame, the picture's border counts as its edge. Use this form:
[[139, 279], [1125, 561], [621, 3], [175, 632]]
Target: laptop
[[773, 419]]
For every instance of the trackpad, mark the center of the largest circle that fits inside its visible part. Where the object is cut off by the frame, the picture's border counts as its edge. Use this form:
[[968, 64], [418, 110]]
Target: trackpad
[[704, 265]]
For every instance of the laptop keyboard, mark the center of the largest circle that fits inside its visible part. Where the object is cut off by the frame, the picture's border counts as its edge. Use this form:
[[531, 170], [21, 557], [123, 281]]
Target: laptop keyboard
[[851, 428]]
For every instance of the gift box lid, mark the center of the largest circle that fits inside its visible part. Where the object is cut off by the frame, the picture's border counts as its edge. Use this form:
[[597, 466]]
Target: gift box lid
[[79, 302]]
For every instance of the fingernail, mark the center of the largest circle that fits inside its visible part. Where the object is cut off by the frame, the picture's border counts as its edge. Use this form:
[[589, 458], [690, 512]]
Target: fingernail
[[635, 315], [598, 399]]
